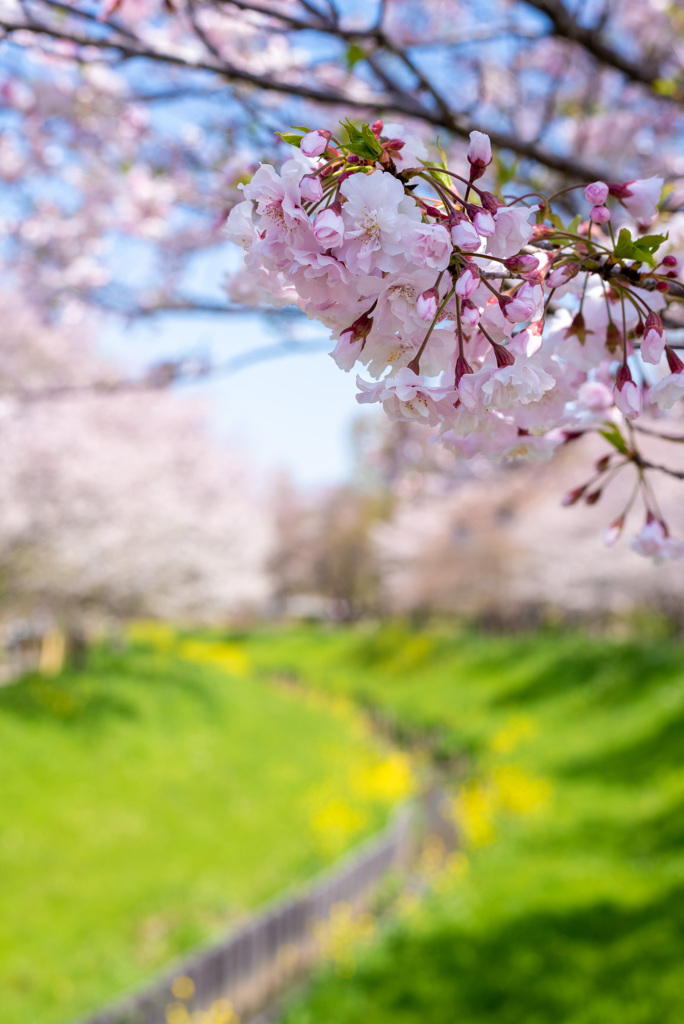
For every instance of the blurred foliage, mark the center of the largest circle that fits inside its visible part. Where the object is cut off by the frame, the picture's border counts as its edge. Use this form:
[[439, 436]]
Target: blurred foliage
[[153, 799], [565, 902]]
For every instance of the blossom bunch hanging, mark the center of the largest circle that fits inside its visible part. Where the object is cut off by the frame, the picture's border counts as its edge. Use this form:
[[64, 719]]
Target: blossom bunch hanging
[[484, 316]]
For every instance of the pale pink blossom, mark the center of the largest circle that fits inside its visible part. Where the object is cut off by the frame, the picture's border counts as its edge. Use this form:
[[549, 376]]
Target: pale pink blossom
[[512, 230], [654, 542], [668, 390], [640, 197], [428, 245]]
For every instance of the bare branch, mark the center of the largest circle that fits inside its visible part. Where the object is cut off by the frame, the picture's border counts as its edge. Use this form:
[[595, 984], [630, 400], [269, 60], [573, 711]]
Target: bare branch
[[567, 27]]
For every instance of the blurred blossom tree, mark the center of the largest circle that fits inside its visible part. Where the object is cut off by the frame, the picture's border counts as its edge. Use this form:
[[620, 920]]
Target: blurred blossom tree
[[121, 505], [129, 125]]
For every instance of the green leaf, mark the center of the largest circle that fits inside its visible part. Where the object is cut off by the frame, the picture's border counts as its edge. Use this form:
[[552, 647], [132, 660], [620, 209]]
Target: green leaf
[[442, 154], [300, 128], [353, 55], [574, 224], [614, 437], [361, 141], [651, 242], [557, 222], [638, 249], [290, 138]]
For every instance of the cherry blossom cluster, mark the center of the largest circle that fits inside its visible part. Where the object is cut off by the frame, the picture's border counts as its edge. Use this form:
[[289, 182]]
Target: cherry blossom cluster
[[487, 318]]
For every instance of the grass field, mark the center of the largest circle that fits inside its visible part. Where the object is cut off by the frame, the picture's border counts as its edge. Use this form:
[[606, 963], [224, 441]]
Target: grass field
[[154, 799], [566, 905]]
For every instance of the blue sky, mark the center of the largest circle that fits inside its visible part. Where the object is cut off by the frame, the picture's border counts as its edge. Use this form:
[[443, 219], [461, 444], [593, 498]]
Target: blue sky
[[293, 412]]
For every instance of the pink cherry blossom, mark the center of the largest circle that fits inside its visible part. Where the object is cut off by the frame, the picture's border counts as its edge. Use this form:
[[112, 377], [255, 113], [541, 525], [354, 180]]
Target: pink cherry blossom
[[512, 230], [653, 542]]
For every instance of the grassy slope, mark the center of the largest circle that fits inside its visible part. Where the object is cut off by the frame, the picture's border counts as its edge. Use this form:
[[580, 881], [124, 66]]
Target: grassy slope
[[147, 803], [572, 907]]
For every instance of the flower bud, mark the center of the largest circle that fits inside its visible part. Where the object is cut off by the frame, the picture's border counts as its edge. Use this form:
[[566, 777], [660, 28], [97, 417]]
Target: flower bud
[[311, 188], [484, 223], [596, 193], [627, 394], [328, 227], [572, 497], [522, 264], [479, 154], [600, 215], [467, 283], [653, 341], [670, 261], [464, 236], [376, 128], [470, 314], [613, 532], [561, 275], [315, 143], [427, 304]]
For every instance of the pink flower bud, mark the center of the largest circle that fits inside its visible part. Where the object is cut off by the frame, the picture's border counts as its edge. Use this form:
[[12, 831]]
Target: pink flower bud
[[479, 154], [572, 497], [315, 142], [596, 193], [426, 304], [561, 275], [470, 314], [311, 188], [600, 215], [467, 282], [654, 339], [627, 394], [484, 223], [670, 261], [613, 532], [328, 228], [377, 127], [465, 237], [522, 264]]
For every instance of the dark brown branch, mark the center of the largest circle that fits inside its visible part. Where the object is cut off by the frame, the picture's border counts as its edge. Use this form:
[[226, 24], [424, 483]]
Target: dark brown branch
[[401, 102]]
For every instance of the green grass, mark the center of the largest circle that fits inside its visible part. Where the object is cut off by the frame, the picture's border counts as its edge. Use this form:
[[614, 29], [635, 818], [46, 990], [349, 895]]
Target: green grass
[[571, 910], [148, 804]]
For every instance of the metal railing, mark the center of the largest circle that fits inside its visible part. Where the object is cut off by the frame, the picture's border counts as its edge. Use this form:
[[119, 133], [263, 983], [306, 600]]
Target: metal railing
[[247, 970]]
